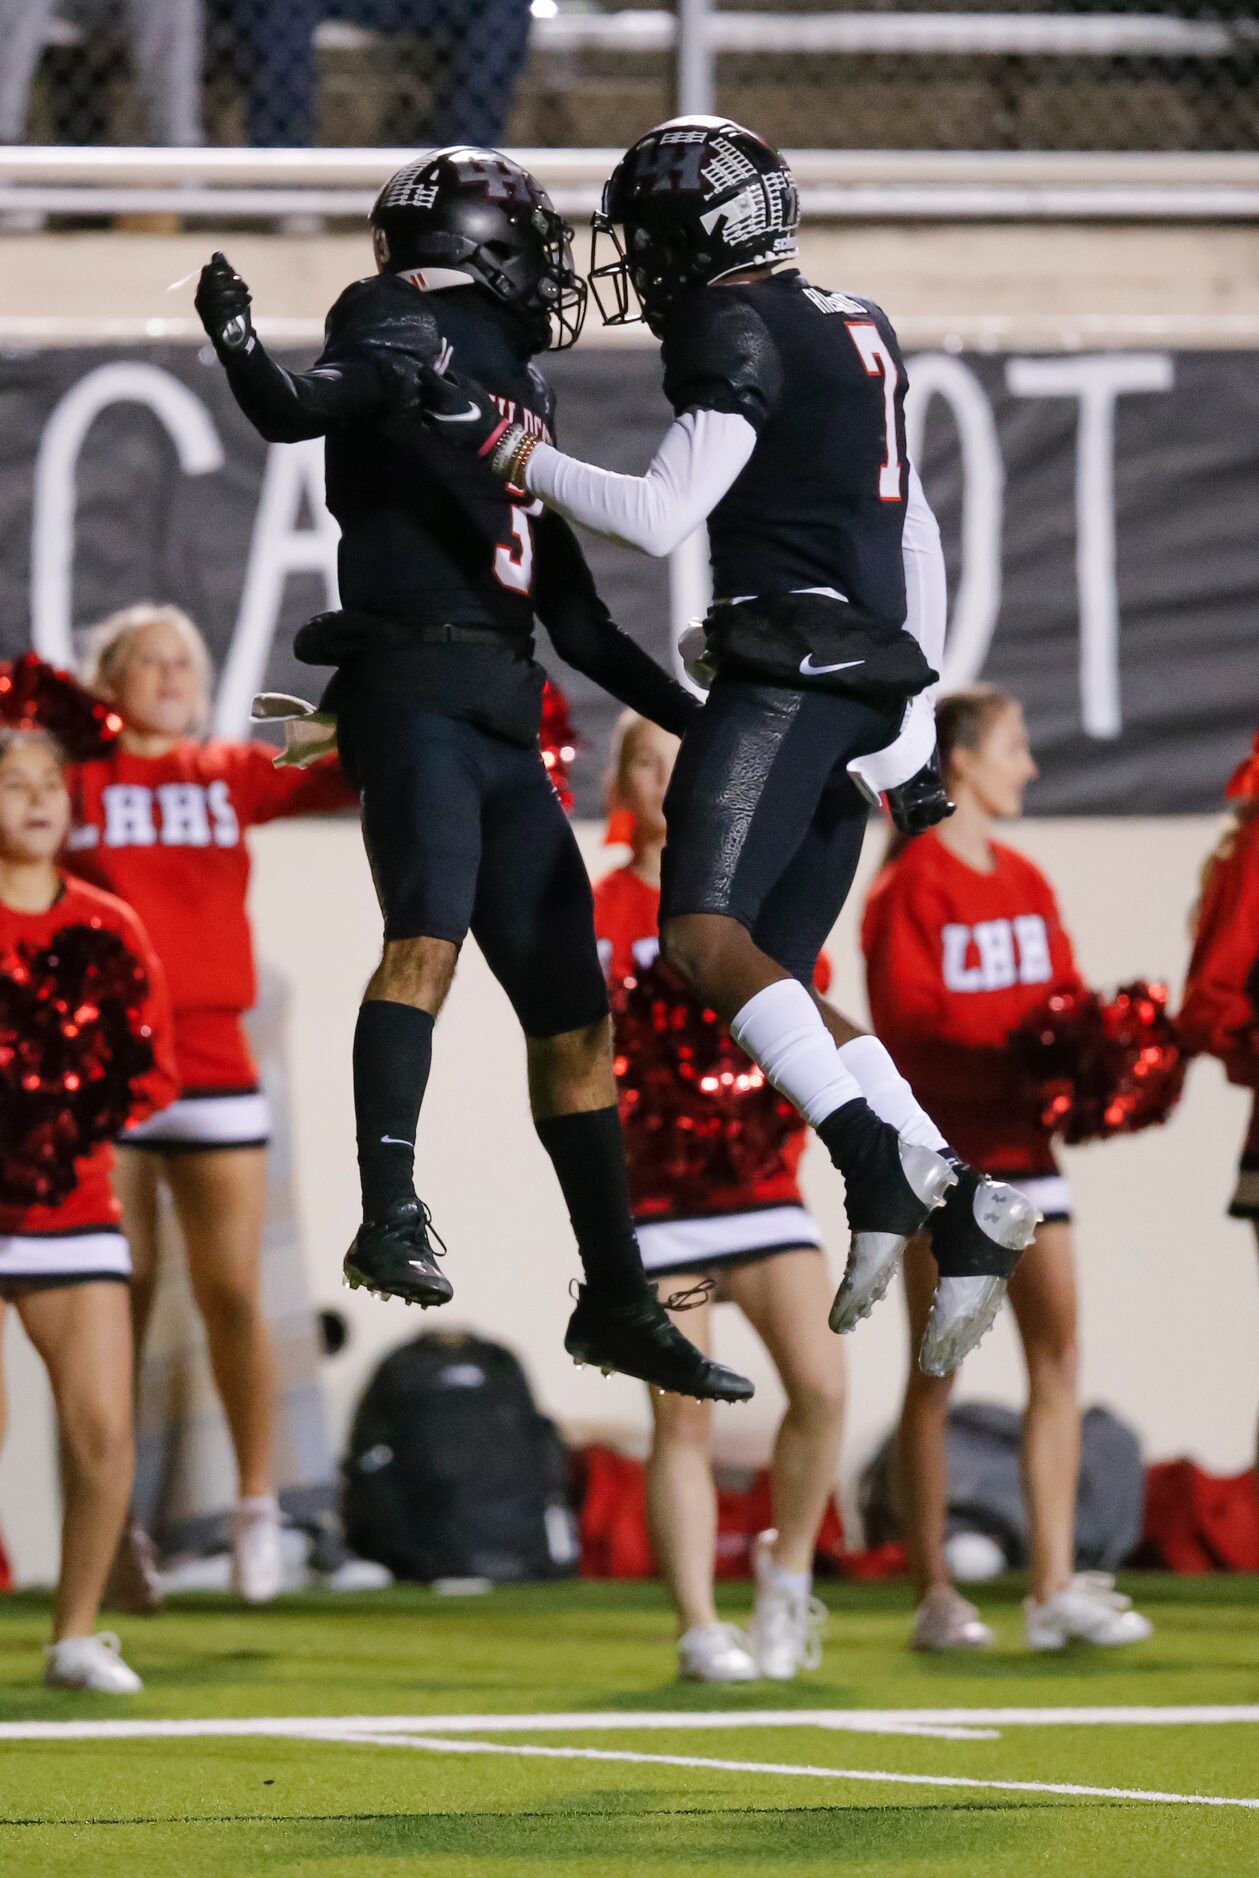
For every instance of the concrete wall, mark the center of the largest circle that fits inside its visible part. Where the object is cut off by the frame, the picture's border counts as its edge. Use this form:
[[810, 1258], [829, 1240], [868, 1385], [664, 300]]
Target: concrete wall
[[1170, 1306], [1047, 285]]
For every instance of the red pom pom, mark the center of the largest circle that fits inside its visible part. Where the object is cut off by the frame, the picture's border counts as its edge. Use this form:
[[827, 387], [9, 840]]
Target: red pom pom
[[1099, 1068], [72, 1049], [36, 696], [698, 1114], [560, 742]]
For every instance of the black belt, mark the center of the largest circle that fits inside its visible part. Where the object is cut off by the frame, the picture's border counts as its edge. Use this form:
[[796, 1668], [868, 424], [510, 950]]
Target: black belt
[[449, 634]]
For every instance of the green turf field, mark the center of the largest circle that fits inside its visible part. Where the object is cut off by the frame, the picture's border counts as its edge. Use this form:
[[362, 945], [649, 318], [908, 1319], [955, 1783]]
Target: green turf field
[[540, 1731]]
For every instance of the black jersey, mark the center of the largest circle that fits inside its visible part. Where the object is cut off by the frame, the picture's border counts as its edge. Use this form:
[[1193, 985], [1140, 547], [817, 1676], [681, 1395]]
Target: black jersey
[[821, 502], [426, 532], [430, 537]]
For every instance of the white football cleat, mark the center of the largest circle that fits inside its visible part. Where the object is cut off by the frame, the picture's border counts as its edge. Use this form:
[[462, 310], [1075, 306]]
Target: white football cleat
[[977, 1238], [910, 1184], [715, 1653], [1088, 1610], [786, 1628], [89, 1663], [945, 1620], [257, 1560]]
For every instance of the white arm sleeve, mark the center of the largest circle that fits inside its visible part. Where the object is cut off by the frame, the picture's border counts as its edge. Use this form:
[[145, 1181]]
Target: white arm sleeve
[[926, 594], [700, 456], [926, 613]]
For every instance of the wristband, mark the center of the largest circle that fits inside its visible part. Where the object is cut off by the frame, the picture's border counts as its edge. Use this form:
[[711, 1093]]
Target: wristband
[[511, 455]]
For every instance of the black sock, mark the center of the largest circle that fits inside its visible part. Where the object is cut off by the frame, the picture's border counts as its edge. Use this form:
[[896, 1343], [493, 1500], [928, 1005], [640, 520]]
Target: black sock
[[589, 1159], [393, 1052], [846, 1131]]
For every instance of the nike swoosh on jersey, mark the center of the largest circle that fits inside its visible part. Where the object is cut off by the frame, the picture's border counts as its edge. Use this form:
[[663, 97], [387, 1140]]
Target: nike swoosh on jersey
[[810, 670], [458, 417]]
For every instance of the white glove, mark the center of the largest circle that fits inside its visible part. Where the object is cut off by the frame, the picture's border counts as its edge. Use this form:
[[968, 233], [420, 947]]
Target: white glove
[[308, 733], [901, 759], [692, 646]]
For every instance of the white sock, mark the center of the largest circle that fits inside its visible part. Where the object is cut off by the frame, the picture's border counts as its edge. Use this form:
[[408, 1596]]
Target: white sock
[[888, 1094], [781, 1028], [795, 1584]]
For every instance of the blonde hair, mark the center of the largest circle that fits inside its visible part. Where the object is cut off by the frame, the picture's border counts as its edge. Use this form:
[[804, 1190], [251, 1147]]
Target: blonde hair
[[109, 644]]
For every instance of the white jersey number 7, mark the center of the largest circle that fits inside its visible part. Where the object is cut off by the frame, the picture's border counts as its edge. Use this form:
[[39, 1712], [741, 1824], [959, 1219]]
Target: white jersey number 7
[[879, 363]]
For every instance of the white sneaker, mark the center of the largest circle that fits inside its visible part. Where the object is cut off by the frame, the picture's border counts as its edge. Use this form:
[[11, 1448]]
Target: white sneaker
[[1088, 1610], [715, 1653], [946, 1621], [89, 1663], [786, 1628], [257, 1560]]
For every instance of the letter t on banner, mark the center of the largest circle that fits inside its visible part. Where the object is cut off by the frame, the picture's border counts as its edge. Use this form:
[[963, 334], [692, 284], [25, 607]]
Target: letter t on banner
[[1096, 381]]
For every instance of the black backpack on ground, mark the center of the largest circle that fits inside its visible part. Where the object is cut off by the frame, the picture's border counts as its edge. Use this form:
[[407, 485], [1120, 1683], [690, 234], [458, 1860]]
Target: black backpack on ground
[[451, 1472]]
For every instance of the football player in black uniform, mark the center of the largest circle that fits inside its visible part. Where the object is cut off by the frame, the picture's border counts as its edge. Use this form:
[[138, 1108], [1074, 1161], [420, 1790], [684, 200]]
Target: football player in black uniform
[[437, 697], [789, 438]]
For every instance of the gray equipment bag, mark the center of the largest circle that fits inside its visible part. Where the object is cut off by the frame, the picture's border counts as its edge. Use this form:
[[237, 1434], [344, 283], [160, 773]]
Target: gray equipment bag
[[986, 1496]]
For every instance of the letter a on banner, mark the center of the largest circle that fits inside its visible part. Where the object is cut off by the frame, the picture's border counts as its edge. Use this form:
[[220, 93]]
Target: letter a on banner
[[281, 546]]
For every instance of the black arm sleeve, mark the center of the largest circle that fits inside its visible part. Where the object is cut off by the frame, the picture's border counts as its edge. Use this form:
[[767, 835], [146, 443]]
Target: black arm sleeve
[[582, 632], [287, 407], [376, 334], [719, 355]]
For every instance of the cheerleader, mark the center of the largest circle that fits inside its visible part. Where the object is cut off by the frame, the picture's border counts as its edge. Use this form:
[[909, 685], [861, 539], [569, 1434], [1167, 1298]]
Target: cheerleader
[[1220, 1013], [963, 940], [161, 822], [757, 1247], [64, 1266]]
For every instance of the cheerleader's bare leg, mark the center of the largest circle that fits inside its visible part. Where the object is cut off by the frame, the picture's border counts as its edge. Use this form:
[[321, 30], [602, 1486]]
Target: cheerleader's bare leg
[[137, 1177], [1043, 1299], [681, 1494], [944, 1620], [219, 1197], [785, 1299], [82, 1333], [922, 1479]]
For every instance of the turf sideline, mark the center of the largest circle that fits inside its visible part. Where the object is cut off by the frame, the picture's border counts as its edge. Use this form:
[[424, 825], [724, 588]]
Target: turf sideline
[[437, 1745], [961, 1724]]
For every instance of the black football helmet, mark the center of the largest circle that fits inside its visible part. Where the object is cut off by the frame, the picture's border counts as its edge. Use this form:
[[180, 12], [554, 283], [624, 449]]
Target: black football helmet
[[697, 199], [471, 215]]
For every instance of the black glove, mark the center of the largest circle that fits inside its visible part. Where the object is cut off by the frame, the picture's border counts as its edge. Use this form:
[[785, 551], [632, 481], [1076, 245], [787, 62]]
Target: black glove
[[920, 803], [222, 301], [460, 411]]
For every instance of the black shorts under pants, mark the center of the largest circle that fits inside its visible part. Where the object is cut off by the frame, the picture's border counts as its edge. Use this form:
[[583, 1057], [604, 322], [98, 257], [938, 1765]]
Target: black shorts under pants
[[765, 824], [464, 832]]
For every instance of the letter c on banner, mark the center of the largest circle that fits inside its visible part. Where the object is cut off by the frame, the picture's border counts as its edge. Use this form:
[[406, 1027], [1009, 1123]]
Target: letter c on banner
[[197, 444], [978, 598]]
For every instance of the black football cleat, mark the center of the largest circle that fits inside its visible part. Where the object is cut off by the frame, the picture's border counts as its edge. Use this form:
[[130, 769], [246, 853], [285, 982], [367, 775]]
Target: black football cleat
[[638, 1339], [394, 1257], [978, 1237], [891, 1187]]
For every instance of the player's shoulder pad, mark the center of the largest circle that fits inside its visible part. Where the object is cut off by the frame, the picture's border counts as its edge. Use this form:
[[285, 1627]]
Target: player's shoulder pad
[[719, 355], [383, 313]]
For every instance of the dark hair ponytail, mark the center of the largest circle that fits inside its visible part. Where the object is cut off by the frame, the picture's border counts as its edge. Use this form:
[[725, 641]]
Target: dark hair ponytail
[[963, 719]]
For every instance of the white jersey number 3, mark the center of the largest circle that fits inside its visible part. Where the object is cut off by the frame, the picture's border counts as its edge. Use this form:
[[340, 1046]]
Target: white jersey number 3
[[879, 363], [513, 560]]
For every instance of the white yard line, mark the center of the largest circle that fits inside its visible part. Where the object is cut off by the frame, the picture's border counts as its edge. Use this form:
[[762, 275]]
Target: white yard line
[[969, 1722], [435, 1744]]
